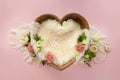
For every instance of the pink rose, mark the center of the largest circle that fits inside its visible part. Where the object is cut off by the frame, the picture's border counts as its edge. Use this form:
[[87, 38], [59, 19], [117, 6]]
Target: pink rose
[[49, 57], [80, 47], [30, 48]]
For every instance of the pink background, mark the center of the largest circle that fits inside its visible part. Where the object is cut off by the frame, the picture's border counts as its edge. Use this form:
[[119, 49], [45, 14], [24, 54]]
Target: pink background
[[104, 13]]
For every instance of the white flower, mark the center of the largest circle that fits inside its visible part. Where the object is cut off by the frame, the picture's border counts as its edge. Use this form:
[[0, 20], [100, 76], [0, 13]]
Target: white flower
[[15, 41], [107, 48], [94, 48], [102, 43]]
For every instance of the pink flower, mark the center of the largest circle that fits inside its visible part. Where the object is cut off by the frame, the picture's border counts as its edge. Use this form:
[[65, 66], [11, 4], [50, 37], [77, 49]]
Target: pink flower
[[80, 47], [30, 48], [49, 57]]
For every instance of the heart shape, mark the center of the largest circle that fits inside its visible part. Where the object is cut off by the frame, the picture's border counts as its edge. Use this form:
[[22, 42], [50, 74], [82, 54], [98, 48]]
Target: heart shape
[[57, 41], [74, 16]]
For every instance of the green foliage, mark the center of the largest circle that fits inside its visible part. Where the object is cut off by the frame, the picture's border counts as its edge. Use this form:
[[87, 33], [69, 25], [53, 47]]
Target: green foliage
[[82, 38], [89, 55], [43, 62], [36, 37], [29, 37]]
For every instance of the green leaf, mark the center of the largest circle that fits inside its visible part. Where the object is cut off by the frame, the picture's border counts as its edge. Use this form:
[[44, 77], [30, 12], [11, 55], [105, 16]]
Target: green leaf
[[86, 56], [33, 55], [84, 42], [38, 48], [29, 37], [43, 62], [89, 55], [81, 37], [93, 54], [26, 44], [36, 37], [38, 41]]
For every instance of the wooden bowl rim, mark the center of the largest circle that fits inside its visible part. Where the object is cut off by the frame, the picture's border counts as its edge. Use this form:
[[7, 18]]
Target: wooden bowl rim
[[74, 16]]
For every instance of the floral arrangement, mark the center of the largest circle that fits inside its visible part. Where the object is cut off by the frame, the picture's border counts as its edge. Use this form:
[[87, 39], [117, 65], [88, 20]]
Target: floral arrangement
[[92, 45]]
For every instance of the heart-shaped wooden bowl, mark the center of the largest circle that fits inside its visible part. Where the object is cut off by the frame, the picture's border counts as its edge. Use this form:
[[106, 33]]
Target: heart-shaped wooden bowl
[[74, 16]]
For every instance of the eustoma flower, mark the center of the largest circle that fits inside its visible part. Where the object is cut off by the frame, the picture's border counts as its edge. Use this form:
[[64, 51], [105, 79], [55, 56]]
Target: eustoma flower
[[30, 48], [94, 48], [80, 47], [49, 57]]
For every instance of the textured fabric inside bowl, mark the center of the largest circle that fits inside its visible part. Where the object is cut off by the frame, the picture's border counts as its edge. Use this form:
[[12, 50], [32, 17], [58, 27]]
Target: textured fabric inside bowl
[[60, 40]]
